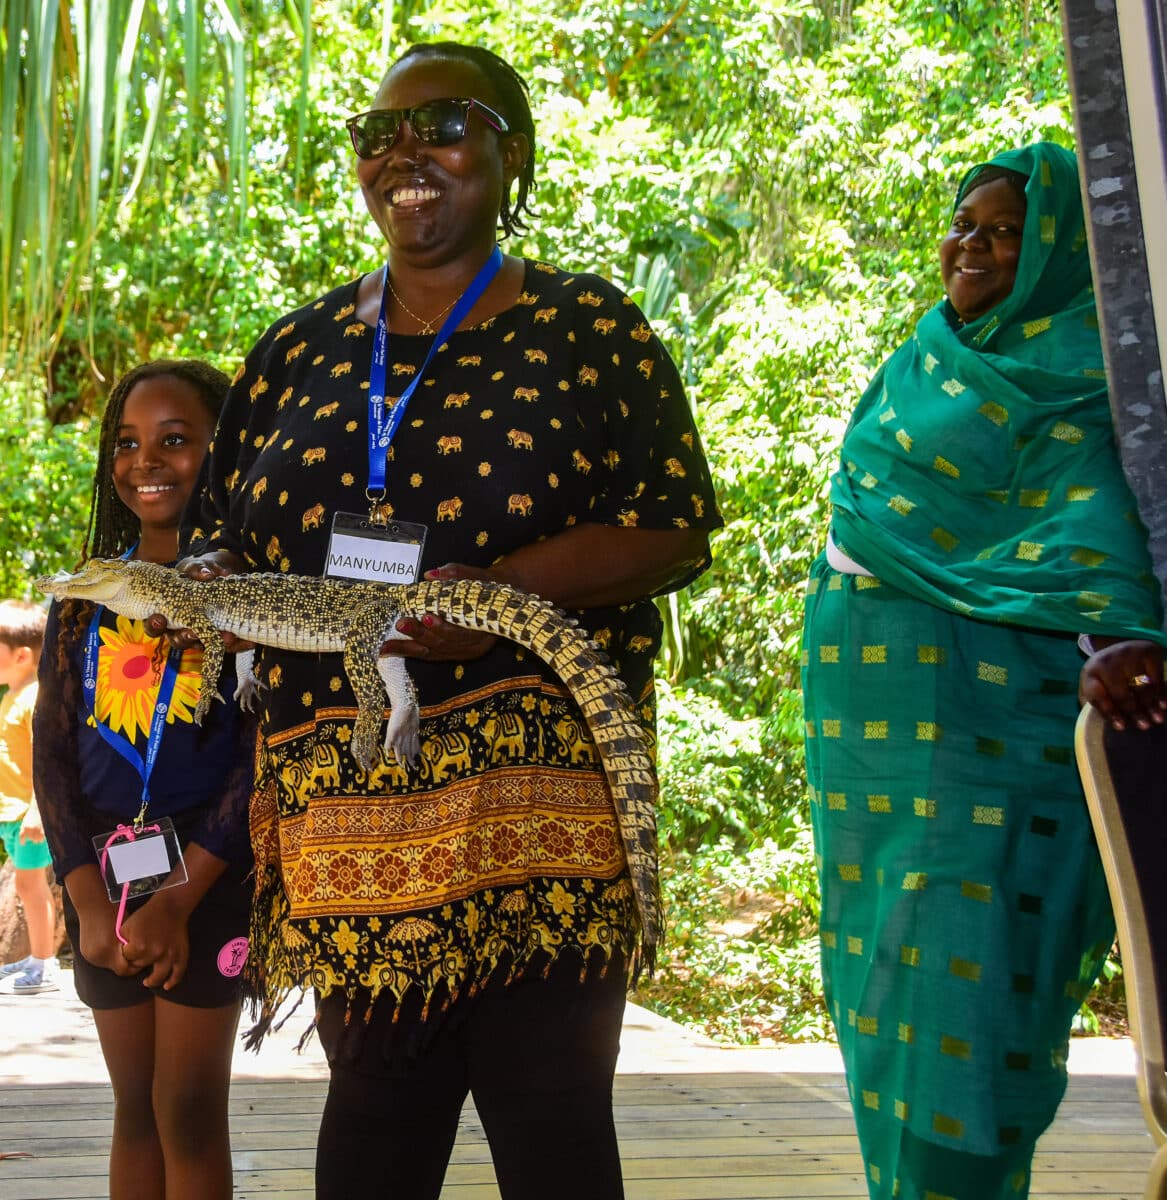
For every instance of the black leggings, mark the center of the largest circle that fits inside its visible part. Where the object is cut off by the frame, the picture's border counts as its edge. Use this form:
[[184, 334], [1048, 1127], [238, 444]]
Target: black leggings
[[538, 1057]]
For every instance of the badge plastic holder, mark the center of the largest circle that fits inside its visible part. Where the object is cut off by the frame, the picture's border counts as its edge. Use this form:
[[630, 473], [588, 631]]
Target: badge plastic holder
[[373, 551], [148, 861]]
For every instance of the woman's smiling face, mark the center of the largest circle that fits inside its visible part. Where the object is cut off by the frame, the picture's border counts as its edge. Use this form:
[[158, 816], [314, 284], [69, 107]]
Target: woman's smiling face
[[979, 254], [436, 203]]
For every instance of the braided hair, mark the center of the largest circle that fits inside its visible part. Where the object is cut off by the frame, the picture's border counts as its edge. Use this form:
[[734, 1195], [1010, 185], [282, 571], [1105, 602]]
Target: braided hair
[[513, 96], [113, 528]]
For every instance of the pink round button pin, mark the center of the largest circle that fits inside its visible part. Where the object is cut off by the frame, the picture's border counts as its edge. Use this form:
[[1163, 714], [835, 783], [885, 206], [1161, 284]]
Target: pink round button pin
[[232, 957]]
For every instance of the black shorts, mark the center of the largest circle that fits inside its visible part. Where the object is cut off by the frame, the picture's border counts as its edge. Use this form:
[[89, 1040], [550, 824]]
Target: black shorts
[[218, 938]]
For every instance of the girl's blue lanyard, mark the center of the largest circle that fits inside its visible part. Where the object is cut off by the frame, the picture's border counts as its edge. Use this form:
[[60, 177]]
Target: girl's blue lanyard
[[144, 765], [383, 425]]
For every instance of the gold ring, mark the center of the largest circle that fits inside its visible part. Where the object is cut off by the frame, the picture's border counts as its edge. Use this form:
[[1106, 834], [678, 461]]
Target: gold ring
[[1141, 681]]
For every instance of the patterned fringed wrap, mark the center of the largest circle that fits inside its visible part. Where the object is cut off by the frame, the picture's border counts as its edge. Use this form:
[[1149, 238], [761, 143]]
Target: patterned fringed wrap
[[374, 885]]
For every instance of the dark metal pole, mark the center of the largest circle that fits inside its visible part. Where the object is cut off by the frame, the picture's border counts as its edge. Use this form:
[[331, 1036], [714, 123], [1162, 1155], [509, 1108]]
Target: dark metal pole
[[1122, 272]]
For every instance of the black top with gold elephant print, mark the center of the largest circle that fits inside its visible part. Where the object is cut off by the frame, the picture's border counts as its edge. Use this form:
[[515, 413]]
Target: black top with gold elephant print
[[502, 842]]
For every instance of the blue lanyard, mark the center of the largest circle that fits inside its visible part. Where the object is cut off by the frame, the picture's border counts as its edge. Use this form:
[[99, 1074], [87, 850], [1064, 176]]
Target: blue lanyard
[[143, 765], [383, 425]]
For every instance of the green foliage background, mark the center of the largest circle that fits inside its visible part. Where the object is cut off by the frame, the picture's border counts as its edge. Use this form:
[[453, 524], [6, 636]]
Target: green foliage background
[[769, 178]]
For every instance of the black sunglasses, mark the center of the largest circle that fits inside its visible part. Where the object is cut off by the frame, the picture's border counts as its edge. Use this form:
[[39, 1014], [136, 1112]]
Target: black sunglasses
[[436, 123]]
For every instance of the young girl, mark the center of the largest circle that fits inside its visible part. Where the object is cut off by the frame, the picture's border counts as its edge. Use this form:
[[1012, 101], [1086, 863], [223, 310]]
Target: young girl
[[116, 753]]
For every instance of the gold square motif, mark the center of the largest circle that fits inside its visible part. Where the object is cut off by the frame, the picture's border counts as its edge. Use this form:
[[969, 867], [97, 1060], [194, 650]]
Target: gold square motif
[[949, 1126], [1063, 431], [991, 673], [963, 969]]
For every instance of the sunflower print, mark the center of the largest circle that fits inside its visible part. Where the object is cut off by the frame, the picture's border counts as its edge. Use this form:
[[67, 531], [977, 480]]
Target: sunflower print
[[129, 673]]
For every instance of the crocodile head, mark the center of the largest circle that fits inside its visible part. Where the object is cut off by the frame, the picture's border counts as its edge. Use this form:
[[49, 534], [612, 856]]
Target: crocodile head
[[126, 587]]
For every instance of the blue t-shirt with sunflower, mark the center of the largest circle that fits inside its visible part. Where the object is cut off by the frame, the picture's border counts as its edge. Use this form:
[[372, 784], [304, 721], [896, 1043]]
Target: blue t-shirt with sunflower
[[202, 776]]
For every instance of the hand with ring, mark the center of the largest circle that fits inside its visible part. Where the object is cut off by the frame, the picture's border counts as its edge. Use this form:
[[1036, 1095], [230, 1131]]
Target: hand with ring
[[433, 638], [1124, 681]]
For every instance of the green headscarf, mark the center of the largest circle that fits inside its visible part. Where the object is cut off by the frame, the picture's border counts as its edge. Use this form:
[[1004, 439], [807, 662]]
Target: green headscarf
[[979, 472]]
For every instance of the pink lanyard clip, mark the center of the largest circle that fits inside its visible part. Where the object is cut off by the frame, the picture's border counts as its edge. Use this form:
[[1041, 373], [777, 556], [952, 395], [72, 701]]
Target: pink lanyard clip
[[129, 832]]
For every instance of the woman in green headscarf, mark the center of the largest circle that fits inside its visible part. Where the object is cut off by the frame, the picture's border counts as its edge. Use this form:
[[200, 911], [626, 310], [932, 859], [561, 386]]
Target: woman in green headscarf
[[980, 524]]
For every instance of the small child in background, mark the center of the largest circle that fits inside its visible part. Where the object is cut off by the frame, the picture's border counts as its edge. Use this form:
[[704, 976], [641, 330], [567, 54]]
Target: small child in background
[[22, 632], [116, 749]]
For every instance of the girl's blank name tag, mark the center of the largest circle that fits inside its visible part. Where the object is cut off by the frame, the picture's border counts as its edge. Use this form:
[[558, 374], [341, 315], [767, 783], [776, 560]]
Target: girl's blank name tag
[[148, 862], [136, 860]]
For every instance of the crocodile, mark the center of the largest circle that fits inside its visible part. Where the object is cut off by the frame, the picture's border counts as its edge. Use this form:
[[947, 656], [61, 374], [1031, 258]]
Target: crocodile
[[319, 615]]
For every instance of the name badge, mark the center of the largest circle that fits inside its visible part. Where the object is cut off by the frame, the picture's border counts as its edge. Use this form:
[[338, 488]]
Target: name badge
[[132, 861], [138, 863], [359, 548]]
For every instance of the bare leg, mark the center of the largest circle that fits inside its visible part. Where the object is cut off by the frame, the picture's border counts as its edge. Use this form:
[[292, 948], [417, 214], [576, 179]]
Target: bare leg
[[32, 887], [192, 1078], [135, 1157]]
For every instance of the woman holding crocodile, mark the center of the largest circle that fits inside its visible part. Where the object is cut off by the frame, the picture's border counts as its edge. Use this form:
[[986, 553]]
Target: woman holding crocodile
[[468, 924], [980, 524]]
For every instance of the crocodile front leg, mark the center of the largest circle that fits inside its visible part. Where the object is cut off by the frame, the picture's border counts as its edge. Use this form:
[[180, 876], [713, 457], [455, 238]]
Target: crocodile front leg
[[213, 651], [362, 645]]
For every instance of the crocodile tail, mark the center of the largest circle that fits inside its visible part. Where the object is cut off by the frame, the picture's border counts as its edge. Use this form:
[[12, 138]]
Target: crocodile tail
[[599, 692]]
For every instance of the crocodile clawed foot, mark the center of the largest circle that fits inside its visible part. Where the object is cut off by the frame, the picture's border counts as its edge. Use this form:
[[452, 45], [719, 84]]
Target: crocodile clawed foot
[[364, 743], [247, 693], [402, 735], [367, 755]]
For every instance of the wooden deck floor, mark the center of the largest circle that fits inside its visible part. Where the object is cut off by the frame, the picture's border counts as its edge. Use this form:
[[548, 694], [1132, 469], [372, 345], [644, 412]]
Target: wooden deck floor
[[696, 1121]]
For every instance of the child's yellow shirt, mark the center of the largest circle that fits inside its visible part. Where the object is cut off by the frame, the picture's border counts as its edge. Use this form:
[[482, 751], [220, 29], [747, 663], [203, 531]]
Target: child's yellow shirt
[[16, 752]]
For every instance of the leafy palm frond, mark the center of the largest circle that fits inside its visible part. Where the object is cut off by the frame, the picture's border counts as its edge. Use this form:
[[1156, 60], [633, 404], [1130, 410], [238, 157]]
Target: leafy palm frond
[[100, 99]]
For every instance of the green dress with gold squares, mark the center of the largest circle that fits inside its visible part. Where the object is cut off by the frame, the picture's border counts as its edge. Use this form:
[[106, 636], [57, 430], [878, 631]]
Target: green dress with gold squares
[[965, 913]]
